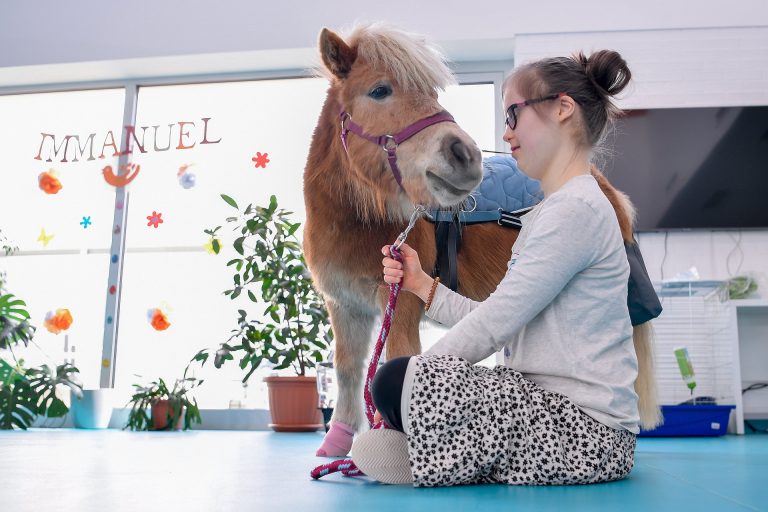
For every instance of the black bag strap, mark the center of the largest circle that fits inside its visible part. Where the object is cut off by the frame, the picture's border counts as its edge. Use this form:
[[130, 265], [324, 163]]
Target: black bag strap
[[642, 300]]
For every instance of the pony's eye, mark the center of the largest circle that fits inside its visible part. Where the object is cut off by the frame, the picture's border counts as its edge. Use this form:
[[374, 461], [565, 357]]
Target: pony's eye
[[380, 92]]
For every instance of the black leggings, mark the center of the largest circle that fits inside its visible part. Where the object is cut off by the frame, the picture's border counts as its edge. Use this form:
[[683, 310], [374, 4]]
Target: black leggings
[[387, 390]]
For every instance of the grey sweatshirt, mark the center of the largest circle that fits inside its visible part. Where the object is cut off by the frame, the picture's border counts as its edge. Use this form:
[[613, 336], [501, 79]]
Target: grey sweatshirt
[[560, 313]]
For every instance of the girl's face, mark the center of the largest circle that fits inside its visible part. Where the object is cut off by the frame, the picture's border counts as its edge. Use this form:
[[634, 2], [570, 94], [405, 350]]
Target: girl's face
[[535, 138]]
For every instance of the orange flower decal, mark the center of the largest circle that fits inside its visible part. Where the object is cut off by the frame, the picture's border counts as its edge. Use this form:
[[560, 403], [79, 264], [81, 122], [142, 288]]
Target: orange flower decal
[[58, 321], [158, 320], [48, 182]]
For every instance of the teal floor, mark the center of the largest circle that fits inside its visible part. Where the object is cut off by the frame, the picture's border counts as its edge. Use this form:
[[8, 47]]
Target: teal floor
[[85, 471]]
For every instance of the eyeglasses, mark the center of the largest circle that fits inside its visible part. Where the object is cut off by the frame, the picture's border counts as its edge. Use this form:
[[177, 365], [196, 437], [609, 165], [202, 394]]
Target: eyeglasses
[[511, 119]]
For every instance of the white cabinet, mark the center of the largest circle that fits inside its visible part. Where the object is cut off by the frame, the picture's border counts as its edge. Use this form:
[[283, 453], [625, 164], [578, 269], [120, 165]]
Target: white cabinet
[[748, 328]]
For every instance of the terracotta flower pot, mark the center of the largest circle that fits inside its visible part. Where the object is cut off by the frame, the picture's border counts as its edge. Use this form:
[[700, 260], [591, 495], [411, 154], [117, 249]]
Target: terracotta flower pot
[[293, 404], [161, 410]]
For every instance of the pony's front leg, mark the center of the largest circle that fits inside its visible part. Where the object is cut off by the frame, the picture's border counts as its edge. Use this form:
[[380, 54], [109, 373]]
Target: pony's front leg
[[352, 335], [403, 339]]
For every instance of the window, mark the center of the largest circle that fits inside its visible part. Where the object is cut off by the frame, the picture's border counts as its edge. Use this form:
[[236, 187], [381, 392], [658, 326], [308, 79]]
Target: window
[[167, 266], [63, 259], [246, 139]]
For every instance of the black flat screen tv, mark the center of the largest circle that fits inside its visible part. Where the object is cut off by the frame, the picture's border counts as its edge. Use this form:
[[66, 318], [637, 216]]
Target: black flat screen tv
[[693, 168]]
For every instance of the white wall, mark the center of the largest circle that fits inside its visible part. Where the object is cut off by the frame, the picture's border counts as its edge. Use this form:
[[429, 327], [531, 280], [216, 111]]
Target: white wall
[[695, 67], [50, 31], [707, 67], [283, 34]]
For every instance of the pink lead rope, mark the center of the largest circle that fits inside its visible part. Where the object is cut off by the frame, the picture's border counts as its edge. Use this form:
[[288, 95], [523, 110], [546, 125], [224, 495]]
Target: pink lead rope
[[346, 466]]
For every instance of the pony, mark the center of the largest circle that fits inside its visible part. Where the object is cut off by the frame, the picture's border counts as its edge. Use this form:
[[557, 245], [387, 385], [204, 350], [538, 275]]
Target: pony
[[360, 188]]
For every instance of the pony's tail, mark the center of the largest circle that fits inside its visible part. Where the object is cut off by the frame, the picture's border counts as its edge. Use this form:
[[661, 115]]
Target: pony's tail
[[645, 385]]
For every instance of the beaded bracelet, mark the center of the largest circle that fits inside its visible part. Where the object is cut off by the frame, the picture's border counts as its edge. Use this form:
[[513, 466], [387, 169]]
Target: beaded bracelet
[[431, 294]]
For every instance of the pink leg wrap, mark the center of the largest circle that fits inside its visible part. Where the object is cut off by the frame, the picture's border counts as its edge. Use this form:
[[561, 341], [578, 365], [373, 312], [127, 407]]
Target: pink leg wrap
[[337, 441]]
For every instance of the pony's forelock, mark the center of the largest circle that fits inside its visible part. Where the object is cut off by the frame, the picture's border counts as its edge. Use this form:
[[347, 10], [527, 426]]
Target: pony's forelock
[[414, 63]]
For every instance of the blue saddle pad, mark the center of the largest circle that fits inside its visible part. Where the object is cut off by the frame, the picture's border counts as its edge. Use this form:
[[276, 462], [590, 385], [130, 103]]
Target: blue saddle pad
[[504, 186]]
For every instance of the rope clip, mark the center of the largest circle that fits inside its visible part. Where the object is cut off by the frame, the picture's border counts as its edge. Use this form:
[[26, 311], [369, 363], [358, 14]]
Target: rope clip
[[418, 210]]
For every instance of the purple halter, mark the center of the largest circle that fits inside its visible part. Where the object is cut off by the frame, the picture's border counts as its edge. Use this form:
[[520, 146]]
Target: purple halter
[[389, 143]]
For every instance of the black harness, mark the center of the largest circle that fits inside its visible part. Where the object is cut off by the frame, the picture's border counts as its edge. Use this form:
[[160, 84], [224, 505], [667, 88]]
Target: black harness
[[448, 227]]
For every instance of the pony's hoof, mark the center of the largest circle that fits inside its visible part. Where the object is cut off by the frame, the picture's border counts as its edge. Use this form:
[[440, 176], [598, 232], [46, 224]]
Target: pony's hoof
[[337, 441]]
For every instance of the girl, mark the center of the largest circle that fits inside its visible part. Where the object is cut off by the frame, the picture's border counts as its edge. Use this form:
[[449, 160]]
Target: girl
[[563, 409]]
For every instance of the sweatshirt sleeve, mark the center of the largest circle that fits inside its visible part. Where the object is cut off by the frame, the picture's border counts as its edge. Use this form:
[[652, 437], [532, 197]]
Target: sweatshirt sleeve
[[561, 244], [448, 307]]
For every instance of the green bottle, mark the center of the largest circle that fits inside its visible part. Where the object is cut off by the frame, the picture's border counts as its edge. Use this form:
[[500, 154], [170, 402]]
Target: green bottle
[[686, 368]]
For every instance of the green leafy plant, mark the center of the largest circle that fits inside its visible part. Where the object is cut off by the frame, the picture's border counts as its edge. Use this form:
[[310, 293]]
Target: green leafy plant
[[14, 326], [271, 271], [145, 396], [27, 393], [740, 287], [6, 245]]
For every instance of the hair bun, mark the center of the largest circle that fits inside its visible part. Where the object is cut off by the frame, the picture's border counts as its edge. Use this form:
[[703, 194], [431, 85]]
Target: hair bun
[[607, 71]]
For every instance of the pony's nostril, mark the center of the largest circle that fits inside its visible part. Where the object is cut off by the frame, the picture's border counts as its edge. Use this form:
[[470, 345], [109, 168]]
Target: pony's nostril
[[459, 152]]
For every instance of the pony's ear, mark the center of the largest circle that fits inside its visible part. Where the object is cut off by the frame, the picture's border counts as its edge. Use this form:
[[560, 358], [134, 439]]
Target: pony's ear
[[337, 55]]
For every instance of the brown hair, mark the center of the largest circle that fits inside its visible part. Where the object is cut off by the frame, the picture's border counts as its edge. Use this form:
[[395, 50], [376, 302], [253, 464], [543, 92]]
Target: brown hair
[[590, 81]]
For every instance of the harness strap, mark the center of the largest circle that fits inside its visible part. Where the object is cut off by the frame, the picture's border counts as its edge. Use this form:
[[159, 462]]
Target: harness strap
[[387, 142], [392, 158], [502, 217], [454, 240], [416, 127], [448, 237]]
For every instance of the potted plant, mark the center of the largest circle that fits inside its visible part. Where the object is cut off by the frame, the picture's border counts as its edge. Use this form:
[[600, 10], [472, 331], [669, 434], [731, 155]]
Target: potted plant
[[293, 331], [7, 246], [27, 393], [167, 406]]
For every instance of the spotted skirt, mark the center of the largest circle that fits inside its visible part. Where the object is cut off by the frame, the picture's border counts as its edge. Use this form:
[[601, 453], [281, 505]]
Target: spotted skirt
[[471, 424]]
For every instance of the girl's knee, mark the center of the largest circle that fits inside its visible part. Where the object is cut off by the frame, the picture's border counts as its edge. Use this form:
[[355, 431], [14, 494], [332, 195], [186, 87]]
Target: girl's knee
[[387, 388]]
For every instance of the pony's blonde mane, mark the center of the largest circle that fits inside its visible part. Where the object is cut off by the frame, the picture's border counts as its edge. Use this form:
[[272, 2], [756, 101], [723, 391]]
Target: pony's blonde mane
[[408, 58]]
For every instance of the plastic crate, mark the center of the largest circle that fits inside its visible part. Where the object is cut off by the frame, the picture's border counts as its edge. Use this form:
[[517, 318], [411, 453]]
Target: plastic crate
[[692, 420]]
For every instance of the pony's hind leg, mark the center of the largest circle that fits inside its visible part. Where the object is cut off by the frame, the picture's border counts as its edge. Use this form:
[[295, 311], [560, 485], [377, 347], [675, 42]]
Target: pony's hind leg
[[352, 333]]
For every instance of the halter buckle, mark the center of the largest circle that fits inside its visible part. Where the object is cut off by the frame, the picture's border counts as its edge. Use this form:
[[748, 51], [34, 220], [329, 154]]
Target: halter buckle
[[344, 117], [389, 143]]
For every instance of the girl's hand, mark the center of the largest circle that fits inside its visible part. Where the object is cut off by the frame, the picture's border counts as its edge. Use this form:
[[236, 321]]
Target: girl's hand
[[408, 273]]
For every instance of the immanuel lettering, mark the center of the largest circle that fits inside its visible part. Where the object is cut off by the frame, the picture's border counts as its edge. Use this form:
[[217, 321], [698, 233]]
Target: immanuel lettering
[[161, 140]]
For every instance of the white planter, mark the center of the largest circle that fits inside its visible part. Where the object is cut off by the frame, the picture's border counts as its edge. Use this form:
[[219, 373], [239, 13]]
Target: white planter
[[93, 410]]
